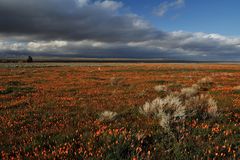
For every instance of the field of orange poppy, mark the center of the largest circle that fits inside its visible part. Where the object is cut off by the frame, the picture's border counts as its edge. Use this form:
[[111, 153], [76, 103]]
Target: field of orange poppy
[[92, 112]]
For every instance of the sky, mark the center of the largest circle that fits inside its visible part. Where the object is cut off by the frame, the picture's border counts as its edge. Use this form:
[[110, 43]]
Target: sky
[[167, 29]]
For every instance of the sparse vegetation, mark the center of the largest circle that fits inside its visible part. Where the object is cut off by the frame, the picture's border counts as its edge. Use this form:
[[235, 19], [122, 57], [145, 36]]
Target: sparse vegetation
[[177, 106], [87, 114]]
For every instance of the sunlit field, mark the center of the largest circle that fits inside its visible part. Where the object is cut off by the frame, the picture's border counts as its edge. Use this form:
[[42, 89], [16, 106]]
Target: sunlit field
[[120, 111]]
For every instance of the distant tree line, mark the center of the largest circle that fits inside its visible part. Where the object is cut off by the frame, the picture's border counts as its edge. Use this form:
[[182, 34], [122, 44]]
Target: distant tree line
[[29, 59]]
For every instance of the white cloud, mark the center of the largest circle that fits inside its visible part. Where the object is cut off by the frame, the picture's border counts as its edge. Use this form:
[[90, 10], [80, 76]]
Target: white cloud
[[165, 6], [109, 4], [138, 22], [44, 46], [16, 46], [177, 44]]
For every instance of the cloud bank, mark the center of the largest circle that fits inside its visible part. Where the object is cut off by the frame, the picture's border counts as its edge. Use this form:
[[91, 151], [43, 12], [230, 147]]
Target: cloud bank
[[88, 28]]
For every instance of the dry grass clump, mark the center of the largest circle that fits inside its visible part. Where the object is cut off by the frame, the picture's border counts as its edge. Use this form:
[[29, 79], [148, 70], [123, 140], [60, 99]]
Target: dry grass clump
[[196, 86], [177, 106], [205, 83], [114, 81], [202, 106], [148, 109], [164, 120], [205, 80], [166, 109], [173, 106], [160, 88], [236, 88], [107, 116], [197, 103], [189, 92], [212, 107], [170, 105]]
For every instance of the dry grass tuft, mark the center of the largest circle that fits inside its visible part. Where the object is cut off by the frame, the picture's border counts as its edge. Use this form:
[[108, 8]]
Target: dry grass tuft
[[202, 105], [164, 120], [176, 106], [196, 86], [114, 81], [147, 109], [166, 110], [173, 106], [160, 88], [107, 116], [236, 88], [205, 80], [212, 107], [189, 92]]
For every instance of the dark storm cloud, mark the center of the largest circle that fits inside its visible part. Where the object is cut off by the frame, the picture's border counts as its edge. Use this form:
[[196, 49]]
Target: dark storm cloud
[[66, 20], [98, 28]]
